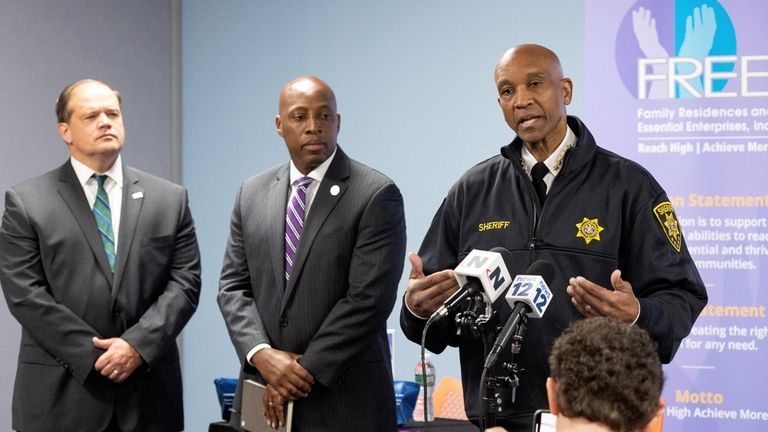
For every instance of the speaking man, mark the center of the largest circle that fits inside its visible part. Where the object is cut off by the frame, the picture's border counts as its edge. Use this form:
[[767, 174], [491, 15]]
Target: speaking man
[[602, 220]]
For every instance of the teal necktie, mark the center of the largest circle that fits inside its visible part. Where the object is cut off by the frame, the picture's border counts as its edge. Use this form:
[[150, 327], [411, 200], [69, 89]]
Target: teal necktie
[[103, 216]]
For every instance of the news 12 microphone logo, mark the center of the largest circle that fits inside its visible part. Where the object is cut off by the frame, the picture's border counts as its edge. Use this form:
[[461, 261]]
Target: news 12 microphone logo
[[685, 49], [532, 290], [489, 268]]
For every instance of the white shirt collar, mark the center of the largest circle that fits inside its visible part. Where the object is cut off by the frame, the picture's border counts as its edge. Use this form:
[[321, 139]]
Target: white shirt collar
[[529, 161], [316, 174], [83, 173]]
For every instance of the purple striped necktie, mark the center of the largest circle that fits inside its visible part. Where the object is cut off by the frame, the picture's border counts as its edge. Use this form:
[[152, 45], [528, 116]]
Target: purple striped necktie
[[294, 222]]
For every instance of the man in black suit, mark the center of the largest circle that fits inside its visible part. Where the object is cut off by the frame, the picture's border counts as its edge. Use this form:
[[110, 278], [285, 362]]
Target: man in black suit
[[100, 265], [310, 275]]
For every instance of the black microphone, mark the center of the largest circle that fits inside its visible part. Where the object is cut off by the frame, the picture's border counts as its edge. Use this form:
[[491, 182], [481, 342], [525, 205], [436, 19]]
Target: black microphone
[[529, 295], [480, 271]]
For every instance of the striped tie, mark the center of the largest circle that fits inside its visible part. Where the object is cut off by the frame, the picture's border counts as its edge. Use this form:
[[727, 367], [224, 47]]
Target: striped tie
[[294, 222], [103, 216]]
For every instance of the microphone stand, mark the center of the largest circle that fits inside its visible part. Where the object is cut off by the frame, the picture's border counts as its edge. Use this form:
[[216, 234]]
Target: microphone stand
[[424, 383], [513, 369], [469, 323], [466, 321], [491, 398]]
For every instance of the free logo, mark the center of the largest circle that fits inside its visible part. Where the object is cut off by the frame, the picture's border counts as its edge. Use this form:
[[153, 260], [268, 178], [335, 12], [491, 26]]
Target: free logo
[[681, 49]]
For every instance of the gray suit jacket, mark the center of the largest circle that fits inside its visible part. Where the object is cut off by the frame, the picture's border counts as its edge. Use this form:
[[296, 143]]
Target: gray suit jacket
[[58, 285], [342, 289]]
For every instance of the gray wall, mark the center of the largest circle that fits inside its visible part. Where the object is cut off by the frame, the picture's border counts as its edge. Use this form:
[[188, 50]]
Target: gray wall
[[413, 80], [45, 45]]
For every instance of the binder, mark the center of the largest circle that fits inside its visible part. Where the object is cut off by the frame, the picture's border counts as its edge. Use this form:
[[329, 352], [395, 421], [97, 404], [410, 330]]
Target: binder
[[252, 410]]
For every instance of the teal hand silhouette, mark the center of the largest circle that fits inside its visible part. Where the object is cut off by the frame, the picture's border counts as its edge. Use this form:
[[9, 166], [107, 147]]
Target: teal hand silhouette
[[700, 31]]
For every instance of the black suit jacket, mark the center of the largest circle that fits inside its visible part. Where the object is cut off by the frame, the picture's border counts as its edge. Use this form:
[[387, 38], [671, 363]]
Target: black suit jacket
[[342, 289], [58, 285]]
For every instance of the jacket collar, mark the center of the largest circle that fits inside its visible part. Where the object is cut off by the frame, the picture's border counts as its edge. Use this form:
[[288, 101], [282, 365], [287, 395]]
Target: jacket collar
[[576, 158]]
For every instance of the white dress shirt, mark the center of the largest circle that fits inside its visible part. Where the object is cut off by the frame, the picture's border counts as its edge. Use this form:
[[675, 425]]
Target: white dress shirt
[[529, 161]]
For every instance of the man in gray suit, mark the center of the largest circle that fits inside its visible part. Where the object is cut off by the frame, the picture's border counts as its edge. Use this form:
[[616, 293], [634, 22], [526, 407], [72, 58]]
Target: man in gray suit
[[310, 274], [100, 265]]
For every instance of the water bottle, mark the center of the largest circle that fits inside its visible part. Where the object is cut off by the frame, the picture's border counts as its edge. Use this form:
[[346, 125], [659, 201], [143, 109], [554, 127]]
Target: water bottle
[[418, 411]]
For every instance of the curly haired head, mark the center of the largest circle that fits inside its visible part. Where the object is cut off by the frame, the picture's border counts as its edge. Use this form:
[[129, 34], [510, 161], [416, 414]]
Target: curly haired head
[[607, 372]]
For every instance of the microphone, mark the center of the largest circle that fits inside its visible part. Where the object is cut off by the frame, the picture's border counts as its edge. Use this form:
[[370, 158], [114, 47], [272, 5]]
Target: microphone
[[480, 271], [528, 295]]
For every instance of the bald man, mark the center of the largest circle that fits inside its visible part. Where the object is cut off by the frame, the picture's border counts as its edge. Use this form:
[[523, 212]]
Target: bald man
[[602, 220], [310, 274]]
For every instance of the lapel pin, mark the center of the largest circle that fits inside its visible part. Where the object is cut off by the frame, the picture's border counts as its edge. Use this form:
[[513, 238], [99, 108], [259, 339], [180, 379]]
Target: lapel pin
[[335, 190], [137, 195]]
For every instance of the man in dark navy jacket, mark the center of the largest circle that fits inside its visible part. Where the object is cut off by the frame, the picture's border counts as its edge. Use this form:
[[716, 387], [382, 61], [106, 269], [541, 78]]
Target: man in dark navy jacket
[[602, 220]]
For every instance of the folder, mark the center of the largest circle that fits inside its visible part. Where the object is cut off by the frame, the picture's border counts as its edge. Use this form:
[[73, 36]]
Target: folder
[[252, 410]]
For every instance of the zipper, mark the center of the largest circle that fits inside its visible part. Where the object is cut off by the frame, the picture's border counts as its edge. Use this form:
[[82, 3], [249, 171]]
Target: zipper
[[535, 225]]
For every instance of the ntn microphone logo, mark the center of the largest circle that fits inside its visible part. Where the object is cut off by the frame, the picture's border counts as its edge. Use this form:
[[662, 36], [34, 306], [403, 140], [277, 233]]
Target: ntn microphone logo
[[496, 277], [675, 49], [489, 268], [476, 261]]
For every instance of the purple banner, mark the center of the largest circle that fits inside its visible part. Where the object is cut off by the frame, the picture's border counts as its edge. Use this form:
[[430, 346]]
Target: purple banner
[[681, 87]]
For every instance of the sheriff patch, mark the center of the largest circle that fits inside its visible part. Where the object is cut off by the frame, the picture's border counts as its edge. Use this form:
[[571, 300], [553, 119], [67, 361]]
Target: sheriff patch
[[589, 229], [665, 214]]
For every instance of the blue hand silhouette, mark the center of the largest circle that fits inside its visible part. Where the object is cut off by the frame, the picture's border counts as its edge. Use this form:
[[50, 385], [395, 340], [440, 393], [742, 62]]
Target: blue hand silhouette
[[700, 31]]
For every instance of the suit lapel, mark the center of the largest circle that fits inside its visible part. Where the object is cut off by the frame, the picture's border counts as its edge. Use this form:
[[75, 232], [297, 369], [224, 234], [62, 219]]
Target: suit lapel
[[328, 194], [74, 197], [133, 199], [277, 201]]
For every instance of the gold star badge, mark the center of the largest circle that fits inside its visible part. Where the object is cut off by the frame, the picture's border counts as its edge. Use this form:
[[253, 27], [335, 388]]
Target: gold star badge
[[589, 229]]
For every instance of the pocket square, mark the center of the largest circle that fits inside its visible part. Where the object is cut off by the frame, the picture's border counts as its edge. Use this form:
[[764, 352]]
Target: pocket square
[[137, 195]]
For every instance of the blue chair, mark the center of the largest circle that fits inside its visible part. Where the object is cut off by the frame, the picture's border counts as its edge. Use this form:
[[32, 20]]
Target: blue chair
[[225, 391], [406, 393]]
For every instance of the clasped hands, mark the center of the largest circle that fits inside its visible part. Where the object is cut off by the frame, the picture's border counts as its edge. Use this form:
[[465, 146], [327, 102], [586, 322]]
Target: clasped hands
[[118, 361], [425, 294], [286, 380]]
